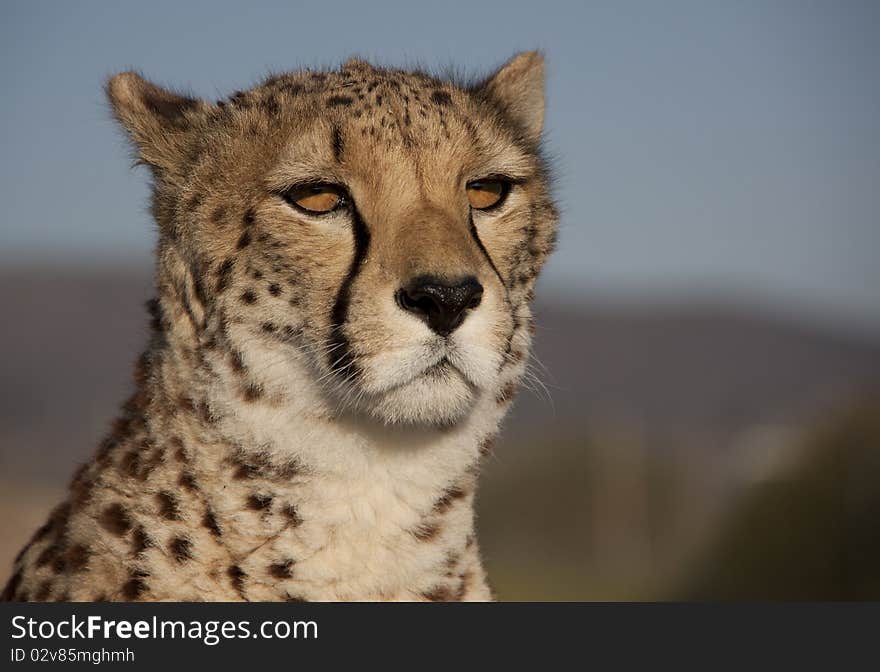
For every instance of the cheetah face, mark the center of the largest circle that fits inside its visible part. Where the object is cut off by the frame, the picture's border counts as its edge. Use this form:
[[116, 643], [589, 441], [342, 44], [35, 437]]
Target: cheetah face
[[384, 228]]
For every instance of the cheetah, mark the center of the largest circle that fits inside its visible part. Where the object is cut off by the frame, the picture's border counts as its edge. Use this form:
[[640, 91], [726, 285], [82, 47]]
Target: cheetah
[[344, 271]]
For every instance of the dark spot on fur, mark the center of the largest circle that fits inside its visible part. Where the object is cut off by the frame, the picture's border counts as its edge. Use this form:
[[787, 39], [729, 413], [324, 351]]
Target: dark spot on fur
[[249, 217], [135, 586], [275, 289], [253, 392], [281, 570], [259, 502], [77, 557], [130, 463], [236, 361], [115, 518], [209, 520], [43, 591], [239, 99], [157, 458], [59, 564], [199, 287], [81, 488], [218, 214], [338, 144], [205, 413], [438, 594], [245, 470], [269, 328], [179, 451], [141, 541], [48, 554], [507, 393], [187, 480], [335, 101], [427, 531], [185, 404], [448, 498], [169, 507], [181, 549], [237, 576], [441, 98], [224, 275], [244, 240], [154, 309], [249, 297]]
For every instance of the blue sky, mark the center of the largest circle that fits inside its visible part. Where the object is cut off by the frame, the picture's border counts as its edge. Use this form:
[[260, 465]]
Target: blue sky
[[703, 148]]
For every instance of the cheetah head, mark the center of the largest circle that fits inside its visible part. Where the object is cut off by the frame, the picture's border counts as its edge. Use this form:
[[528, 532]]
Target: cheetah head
[[382, 228]]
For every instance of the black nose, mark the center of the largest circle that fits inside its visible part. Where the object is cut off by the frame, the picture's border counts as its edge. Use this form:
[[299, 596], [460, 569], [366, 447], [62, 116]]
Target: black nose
[[442, 304]]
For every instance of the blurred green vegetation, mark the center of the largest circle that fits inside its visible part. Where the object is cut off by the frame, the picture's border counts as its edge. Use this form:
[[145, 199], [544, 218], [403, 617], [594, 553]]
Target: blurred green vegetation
[[812, 534], [616, 517]]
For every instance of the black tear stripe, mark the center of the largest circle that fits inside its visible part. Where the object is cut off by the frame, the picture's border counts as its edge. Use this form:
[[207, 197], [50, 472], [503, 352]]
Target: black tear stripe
[[339, 353], [485, 252], [507, 300], [338, 144]]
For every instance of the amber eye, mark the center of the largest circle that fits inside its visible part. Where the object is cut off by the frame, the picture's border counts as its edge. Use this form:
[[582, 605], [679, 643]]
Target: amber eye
[[486, 194], [316, 199]]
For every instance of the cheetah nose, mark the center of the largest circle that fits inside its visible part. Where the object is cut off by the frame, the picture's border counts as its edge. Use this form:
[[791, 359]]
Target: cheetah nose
[[442, 304]]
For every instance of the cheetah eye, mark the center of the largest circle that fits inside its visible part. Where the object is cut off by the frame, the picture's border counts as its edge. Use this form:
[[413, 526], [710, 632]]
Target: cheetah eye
[[487, 194], [316, 199]]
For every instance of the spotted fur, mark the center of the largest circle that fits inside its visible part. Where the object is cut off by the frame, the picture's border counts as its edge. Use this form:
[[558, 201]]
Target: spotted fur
[[294, 433]]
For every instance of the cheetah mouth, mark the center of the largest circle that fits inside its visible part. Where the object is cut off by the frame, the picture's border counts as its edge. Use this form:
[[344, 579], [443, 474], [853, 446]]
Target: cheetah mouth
[[431, 383], [441, 368], [437, 393], [445, 370], [438, 374]]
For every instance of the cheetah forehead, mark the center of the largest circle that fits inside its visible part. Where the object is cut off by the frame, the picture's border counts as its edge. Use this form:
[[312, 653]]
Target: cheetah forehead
[[392, 106], [410, 106]]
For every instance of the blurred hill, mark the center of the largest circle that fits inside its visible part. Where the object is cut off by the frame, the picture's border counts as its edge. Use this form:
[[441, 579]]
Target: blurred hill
[[676, 367], [659, 417], [812, 533]]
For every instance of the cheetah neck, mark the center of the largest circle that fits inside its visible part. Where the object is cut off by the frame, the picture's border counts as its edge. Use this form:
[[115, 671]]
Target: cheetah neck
[[281, 479]]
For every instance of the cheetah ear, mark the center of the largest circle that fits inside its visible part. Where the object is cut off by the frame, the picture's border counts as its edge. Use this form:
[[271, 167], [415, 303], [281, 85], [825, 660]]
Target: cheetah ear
[[157, 120], [518, 88]]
